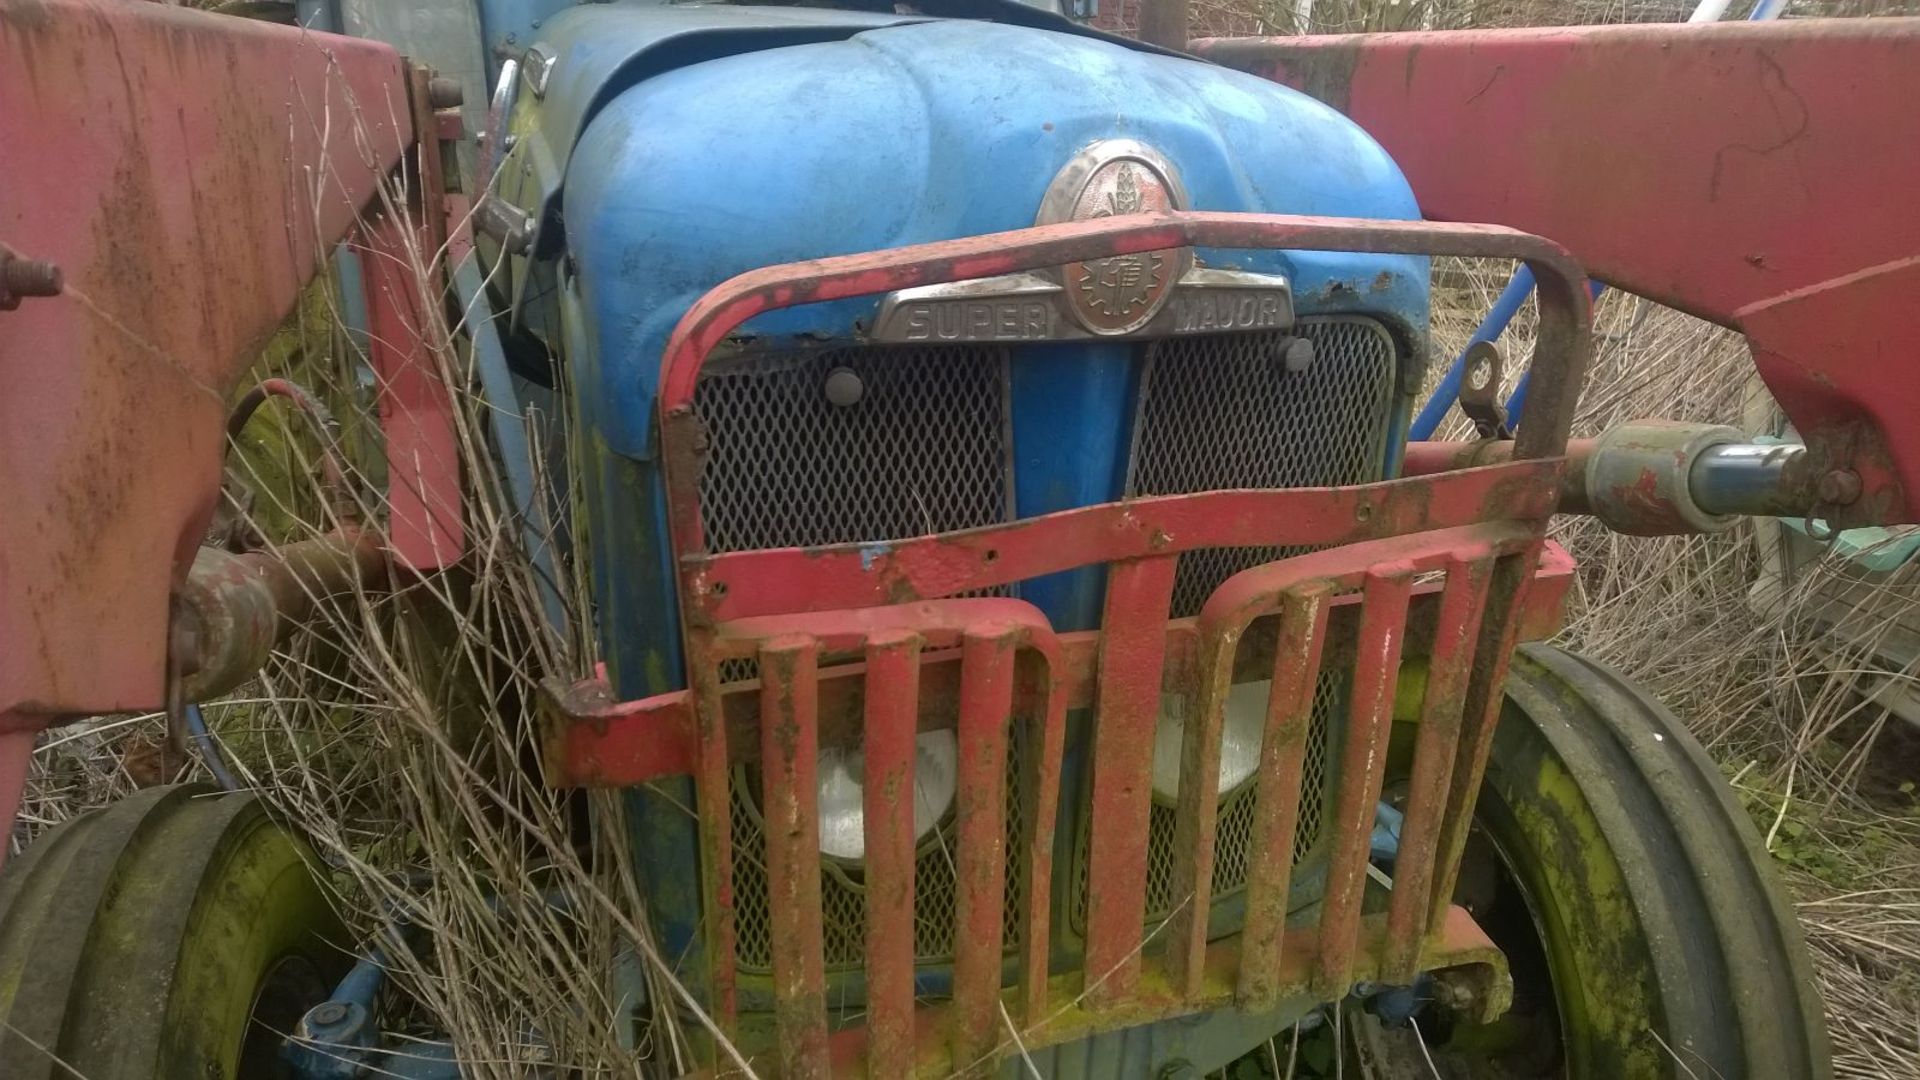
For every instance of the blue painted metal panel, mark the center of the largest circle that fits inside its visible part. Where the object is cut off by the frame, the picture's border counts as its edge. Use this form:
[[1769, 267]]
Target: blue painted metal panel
[[924, 132], [1072, 421], [899, 135]]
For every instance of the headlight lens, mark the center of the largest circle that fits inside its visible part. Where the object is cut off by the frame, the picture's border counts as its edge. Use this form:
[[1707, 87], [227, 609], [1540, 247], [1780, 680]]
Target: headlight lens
[[843, 820], [1241, 733]]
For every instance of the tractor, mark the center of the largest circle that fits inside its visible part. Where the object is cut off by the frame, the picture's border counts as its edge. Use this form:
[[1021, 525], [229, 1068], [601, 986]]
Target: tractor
[[994, 478]]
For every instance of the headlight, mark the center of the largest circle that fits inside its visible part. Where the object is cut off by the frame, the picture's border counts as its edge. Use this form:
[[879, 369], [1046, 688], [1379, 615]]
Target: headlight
[[1241, 732], [843, 819]]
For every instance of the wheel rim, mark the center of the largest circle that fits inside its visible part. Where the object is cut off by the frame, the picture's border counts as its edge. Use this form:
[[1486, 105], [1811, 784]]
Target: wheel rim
[[1527, 1040], [292, 986]]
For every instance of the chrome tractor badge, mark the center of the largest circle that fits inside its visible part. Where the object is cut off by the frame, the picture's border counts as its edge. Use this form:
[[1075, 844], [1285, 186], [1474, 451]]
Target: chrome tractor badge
[[1145, 294], [1124, 293]]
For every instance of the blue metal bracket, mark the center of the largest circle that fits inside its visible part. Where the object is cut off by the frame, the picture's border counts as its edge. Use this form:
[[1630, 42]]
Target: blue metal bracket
[[336, 1039]]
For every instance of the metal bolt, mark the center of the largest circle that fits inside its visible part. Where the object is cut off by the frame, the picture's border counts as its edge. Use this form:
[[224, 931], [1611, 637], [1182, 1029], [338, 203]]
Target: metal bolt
[[1298, 356], [445, 93], [27, 277], [1839, 488], [327, 1014], [844, 387], [1453, 994], [1483, 368]]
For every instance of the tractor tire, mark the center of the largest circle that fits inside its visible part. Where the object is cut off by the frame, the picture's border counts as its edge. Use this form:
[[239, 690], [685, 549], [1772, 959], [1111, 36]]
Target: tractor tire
[[1646, 934], [177, 933]]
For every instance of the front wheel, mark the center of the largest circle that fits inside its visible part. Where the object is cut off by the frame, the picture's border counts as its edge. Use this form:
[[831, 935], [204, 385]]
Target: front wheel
[[177, 933], [1644, 929]]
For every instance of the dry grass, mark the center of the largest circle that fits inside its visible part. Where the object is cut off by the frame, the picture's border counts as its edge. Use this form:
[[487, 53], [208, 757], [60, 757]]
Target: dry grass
[[397, 731]]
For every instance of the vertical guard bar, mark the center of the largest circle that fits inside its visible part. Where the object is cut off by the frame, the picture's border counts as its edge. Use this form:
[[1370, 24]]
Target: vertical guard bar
[[987, 656], [1042, 769], [890, 802], [1132, 659], [1196, 813], [1383, 619], [1499, 630], [789, 752], [1296, 672], [1455, 634], [713, 803]]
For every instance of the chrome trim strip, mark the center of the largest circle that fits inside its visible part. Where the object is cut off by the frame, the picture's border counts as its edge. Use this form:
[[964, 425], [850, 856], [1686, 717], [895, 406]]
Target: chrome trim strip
[[1029, 307]]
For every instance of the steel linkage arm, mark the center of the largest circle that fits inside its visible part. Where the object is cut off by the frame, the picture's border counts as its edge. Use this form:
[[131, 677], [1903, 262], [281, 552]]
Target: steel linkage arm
[[1664, 477], [1778, 201]]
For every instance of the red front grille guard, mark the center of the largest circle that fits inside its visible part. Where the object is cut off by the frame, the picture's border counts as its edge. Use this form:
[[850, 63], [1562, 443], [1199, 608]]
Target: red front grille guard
[[863, 641]]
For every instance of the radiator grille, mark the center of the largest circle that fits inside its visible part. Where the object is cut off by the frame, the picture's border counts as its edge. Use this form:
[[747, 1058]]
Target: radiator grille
[[843, 898], [1221, 411], [927, 448], [1234, 823], [923, 450]]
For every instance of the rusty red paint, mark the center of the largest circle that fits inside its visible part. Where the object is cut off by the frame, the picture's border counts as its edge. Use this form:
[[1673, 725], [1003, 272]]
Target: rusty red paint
[[16, 757], [1455, 633], [1500, 623], [1835, 356], [593, 740], [1777, 202], [892, 718], [233, 609], [980, 864], [1042, 771], [156, 155], [1132, 660], [713, 805], [425, 517], [1012, 667], [1460, 947], [940, 625], [1296, 668], [1376, 672], [750, 583], [1543, 604], [989, 638], [1383, 570], [790, 784], [1198, 805]]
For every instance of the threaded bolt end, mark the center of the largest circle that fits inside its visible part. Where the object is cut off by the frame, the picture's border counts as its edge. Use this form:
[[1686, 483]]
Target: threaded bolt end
[[32, 277]]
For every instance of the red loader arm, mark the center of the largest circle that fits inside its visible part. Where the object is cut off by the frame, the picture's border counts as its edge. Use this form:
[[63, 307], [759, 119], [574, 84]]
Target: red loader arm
[[1764, 176]]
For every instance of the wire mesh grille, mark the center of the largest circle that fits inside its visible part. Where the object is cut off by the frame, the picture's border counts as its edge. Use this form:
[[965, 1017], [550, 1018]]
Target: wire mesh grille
[[843, 896], [1233, 825], [926, 448], [1222, 411], [922, 447]]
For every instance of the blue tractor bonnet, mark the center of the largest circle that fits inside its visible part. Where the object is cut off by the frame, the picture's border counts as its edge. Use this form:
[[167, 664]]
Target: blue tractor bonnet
[[680, 160]]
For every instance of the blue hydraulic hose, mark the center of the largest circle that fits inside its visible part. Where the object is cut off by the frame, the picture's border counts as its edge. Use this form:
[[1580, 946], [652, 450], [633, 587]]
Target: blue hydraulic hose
[[209, 753], [1495, 324], [1519, 399]]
